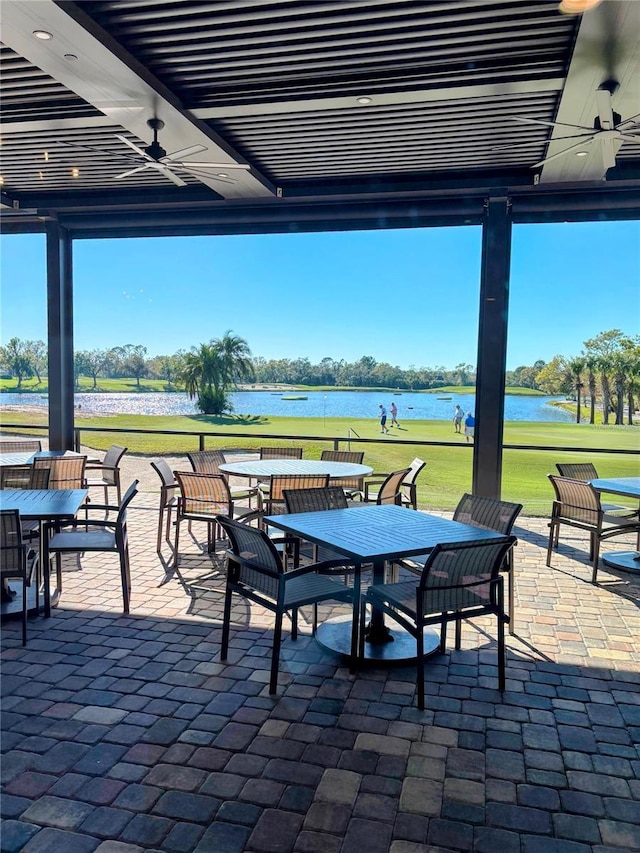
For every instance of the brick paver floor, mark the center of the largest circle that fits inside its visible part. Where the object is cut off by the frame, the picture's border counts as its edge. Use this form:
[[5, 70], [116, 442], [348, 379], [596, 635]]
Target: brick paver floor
[[127, 733]]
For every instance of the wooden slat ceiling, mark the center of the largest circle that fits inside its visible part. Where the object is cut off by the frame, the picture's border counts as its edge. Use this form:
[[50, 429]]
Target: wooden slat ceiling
[[276, 84]]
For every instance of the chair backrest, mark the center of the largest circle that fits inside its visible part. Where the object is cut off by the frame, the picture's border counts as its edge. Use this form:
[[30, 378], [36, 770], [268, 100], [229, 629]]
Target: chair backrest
[[280, 453], [255, 561], [577, 470], [390, 490], [25, 445], [354, 456], [121, 520], [576, 501], [414, 469], [203, 494], [12, 551], [281, 482], [315, 500], [487, 513], [65, 472], [162, 469], [15, 476], [463, 574], [39, 478], [206, 461]]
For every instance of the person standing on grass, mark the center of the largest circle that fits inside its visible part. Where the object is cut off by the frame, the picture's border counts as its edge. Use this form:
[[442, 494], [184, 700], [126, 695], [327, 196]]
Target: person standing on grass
[[458, 415], [469, 426], [394, 414], [383, 419]]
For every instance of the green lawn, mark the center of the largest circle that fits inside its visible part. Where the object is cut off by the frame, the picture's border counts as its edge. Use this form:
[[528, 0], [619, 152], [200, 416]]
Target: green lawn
[[448, 472]]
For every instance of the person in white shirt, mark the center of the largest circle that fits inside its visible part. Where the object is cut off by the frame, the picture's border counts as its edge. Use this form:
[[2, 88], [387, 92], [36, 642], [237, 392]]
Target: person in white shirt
[[383, 419], [458, 415]]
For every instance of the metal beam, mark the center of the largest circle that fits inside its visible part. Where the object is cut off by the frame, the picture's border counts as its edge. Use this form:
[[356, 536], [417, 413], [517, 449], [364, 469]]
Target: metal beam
[[105, 75], [492, 347], [60, 336]]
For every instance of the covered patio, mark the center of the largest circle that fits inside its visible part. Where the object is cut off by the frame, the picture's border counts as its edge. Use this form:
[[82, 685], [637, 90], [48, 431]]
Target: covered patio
[[128, 733]]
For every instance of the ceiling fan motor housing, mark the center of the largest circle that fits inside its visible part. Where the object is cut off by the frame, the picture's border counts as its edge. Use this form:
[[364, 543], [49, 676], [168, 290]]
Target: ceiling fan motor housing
[[617, 118]]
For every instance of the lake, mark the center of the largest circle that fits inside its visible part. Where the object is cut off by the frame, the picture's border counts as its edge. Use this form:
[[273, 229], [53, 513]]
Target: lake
[[362, 405]]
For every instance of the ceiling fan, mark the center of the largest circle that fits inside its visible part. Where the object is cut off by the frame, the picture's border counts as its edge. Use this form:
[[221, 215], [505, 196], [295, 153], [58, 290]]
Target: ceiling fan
[[154, 157], [609, 130]]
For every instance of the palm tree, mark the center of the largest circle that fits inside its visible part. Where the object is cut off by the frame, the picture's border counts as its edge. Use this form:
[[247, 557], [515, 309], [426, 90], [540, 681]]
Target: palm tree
[[605, 367], [576, 366], [591, 366], [211, 369]]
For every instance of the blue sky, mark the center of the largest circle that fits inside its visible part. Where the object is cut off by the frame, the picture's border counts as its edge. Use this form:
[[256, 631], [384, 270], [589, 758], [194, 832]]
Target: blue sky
[[403, 296]]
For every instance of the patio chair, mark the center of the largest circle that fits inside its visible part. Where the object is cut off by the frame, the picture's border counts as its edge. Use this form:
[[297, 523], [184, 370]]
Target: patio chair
[[65, 472], [272, 502], [577, 504], [353, 486], [587, 471], [320, 500], [280, 453], [16, 559], [168, 498], [408, 495], [388, 491], [255, 571], [15, 476], [110, 537], [487, 514], [460, 580], [203, 497], [23, 445], [108, 470], [209, 462]]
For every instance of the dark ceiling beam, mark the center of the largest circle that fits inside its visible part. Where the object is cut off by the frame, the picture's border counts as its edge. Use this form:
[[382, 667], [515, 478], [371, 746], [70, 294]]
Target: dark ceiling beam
[[383, 99], [114, 82]]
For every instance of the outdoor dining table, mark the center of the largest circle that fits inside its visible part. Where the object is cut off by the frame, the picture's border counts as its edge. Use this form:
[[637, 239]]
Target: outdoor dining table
[[22, 458], [44, 505], [264, 469], [625, 561], [376, 534]]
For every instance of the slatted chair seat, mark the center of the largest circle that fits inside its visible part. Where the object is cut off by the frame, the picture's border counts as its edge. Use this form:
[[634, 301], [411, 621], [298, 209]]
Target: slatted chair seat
[[578, 505]]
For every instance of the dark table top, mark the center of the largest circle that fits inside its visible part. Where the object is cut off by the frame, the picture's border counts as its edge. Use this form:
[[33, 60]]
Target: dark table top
[[44, 504], [629, 486], [377, 532]]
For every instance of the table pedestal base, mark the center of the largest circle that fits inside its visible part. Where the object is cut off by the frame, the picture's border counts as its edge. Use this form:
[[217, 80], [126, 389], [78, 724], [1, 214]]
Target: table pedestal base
[[624, 561], [335, 635]]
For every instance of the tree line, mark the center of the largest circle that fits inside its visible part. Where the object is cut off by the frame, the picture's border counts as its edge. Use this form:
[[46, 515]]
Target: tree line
[[606, 373]]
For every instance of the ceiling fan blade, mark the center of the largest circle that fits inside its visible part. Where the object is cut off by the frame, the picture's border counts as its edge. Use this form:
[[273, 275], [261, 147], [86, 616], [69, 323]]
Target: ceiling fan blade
[[170, 175], [605, 111], [562, 153], [187, 164], [626, 138], [540, 142], [206, 176], [623, 124], [101, 151], [133, 171], [550, 123], [135, 148], [184, 152], [609, 152]]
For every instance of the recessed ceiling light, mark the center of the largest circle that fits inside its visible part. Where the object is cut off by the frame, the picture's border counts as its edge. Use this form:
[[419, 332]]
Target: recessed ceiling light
[[43, 35], [577, 7], [581, 153], [45, 154], [365, 99], [70, 57], [75, 172], [222, 175]]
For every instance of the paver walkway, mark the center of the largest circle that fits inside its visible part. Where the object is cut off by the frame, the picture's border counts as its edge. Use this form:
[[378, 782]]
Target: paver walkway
[[123, 734]]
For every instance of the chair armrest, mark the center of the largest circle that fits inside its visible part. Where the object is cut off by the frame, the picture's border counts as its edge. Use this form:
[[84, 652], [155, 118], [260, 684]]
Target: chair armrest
[[92, 506], [100, 467]]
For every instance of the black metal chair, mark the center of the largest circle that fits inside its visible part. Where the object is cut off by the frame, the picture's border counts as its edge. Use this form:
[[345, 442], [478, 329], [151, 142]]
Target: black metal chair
[[353, 486], [577, 504], [408, 495], [387, 491], [256, 572], [209, 462], [16, 559], [460, 580], [110, 536], [107, 472]]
